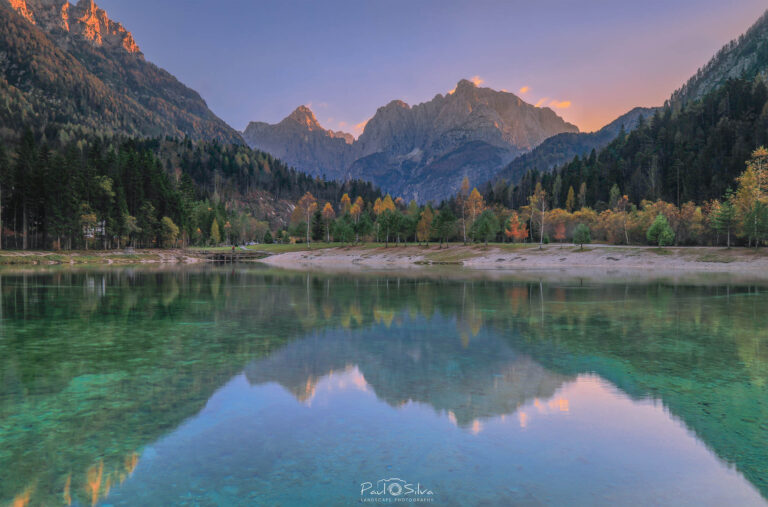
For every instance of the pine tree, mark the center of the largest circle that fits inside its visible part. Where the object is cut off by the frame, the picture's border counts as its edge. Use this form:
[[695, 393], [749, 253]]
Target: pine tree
[[570, 201]]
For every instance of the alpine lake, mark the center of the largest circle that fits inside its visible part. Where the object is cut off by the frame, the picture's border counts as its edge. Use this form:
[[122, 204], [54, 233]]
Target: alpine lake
[[248, 385]]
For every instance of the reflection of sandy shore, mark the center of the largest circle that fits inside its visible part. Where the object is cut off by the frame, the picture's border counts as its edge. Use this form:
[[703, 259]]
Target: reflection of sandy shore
[[596, 261]]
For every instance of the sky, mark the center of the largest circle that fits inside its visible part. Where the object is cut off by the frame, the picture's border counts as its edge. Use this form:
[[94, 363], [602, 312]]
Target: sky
[[589, 60]]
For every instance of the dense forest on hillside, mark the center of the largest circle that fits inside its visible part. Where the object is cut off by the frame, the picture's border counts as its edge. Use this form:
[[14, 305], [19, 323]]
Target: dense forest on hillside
[[77, 83], [62, 188], [744, 58], [691, 155]]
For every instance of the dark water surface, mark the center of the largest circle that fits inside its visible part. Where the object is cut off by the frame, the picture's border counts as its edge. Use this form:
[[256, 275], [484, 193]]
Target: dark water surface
[[251, 386]]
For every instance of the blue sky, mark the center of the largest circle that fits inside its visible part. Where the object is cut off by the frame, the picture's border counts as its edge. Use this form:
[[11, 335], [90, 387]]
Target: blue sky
[[258, 60]]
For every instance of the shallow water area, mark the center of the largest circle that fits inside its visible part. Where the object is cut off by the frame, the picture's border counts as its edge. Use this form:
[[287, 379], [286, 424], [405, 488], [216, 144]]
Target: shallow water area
[[247, 385]]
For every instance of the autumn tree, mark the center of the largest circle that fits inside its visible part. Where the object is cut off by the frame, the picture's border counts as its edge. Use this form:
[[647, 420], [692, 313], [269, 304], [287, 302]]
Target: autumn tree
[[516, 229], [622, 206], [388, 204], [328, 216], [345, 204], [308, 205], [355, 211], [424, 227], [560, 232]]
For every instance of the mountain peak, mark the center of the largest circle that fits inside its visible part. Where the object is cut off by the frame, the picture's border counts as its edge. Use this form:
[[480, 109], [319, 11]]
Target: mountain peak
[[304, 116], [85, 19], [465, 84]]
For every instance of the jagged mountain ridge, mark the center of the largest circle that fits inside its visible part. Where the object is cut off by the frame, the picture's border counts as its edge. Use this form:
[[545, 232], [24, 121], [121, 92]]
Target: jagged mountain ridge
[[421, 152], [71, 64]]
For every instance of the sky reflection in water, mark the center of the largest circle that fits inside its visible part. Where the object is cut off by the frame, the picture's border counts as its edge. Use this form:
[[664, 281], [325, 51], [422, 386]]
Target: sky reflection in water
[[265, 388]]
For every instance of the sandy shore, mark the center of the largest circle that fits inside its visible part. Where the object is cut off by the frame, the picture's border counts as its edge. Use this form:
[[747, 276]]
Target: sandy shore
[[594, 258]]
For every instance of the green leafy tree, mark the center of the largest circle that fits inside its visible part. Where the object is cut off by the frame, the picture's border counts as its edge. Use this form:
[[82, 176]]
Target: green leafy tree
[[756, 221], [444, 225], [486, 227], [660, 233], [364, 226], [389, 222], [268, 238], [343, 229], [582, 235], [724, 219], [170, 231], [215, 233]]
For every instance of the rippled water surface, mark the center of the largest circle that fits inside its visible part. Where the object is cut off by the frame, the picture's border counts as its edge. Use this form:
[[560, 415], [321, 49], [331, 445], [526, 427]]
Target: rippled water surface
[[250, 386]]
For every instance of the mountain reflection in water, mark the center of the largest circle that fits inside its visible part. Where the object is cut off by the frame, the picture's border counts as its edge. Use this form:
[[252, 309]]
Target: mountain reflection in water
[[243, 386]]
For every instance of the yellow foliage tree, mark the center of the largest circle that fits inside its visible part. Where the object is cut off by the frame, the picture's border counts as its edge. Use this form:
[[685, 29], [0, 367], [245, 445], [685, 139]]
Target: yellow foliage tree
[[346, 204], [308, 205], [328, 216], [424, 227]]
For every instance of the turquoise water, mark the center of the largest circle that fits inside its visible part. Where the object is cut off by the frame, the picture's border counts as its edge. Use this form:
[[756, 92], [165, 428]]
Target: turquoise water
[[251, 386]]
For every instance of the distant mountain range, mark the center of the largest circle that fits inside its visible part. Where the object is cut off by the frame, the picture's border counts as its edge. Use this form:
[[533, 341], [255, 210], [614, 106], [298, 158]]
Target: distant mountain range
[[421, 152], [71, 64], [559, 149]]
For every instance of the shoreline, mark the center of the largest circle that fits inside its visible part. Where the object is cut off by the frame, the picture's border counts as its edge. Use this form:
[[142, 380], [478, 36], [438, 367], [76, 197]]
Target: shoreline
[[605, 259]]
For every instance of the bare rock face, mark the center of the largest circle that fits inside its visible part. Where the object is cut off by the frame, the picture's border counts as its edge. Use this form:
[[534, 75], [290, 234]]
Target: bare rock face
[[300, 141], [85, 20], [421, 152]]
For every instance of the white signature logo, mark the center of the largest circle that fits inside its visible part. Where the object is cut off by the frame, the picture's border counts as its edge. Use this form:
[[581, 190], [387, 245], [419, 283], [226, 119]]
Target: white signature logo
[[394, 490]]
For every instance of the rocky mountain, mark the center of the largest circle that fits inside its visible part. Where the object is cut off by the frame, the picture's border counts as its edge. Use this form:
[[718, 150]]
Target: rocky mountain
[[303, 143], [560, 149], [421, 152], [71, 64], [745, 57]]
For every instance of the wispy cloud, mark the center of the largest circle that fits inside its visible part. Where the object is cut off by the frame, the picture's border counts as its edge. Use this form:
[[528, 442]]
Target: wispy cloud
[[564, 104], [541, 102], [358, 129], [477, 80], [524, 89]]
